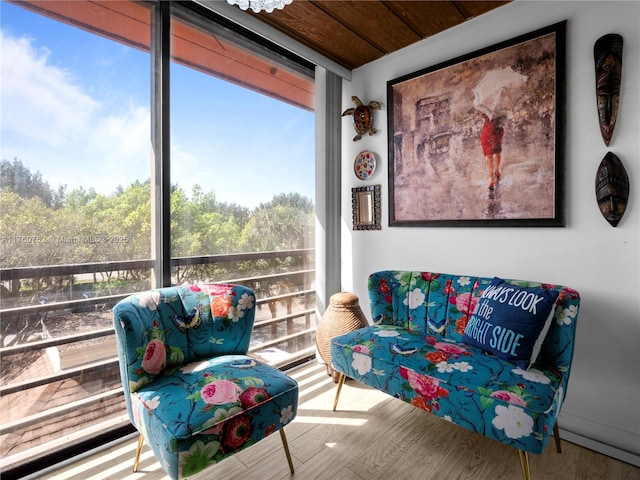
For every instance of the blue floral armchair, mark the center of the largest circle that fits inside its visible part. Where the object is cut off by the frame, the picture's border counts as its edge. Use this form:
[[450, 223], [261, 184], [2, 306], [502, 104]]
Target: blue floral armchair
[[191, 390]]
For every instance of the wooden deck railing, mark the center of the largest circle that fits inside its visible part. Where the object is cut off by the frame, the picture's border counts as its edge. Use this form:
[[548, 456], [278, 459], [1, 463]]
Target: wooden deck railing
[[53, 384]]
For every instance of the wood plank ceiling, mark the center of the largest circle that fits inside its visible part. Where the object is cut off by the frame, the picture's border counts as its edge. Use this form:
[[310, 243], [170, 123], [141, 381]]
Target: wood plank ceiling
[[353, 33]]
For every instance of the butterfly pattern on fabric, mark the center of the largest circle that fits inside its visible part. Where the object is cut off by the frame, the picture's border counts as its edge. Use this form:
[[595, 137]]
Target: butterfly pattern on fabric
[[193, 320]]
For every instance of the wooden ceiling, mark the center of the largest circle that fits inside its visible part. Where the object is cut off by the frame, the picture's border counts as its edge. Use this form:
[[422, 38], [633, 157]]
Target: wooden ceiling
[[352, 33]]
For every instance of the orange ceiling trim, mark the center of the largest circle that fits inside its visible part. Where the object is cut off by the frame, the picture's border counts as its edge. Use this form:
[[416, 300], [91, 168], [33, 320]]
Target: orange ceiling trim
[[128, 22]]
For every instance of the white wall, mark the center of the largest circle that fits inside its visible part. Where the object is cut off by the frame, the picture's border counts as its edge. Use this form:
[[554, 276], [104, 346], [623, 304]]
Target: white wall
[[602, 409]]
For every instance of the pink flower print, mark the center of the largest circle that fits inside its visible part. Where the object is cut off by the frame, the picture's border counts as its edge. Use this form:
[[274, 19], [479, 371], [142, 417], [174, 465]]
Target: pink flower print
[[136, 407], [253, 396], [450, 348], [155, 357], [236, 431], [218, 289], [360, 349], [428, 276], [466, 302], [509, 397], [220, 392], [195, 288], [425, 386]]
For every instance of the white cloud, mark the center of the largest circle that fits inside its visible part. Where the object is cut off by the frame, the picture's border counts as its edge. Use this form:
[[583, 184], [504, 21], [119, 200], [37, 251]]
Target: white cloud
[[60, 123], [40, 100], [54, 126]]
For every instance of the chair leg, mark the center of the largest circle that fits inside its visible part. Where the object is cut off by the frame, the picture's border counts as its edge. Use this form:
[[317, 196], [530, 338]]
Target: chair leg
[[556, 435], [138, 450], [286, 449], [524, 462], [340, 383]]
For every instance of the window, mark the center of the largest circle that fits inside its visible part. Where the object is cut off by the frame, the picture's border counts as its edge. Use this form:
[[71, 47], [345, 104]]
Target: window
[[74, 214], [77, 201], [242, 175]]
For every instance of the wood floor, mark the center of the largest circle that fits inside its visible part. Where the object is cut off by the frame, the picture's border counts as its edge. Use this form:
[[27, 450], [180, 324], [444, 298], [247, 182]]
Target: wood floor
[[371, 436]]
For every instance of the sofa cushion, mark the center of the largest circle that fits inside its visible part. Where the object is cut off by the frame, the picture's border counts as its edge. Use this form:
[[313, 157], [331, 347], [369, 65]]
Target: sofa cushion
[[455, 381], [511, 321]]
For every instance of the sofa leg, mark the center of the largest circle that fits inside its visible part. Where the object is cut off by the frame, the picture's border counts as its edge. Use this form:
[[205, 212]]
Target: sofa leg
[[286, 449], [340, 383], [524, 462], [556, 435], [138, 450]]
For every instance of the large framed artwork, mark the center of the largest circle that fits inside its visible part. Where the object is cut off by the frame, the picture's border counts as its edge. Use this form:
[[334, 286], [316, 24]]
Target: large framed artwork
[[479, 140]]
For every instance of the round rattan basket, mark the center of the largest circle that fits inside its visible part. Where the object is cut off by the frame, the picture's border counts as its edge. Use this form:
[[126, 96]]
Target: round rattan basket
[[343, 315]]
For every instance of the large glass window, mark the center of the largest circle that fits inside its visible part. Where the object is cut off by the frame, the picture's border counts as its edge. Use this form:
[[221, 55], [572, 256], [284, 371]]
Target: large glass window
[[77, 200], [242, 171], [74, 213]]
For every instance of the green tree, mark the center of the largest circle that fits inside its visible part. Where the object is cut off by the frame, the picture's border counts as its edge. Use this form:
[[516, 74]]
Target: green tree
[[79, 198], [202, 226], [20, 180], [284, 223], [120, 223]]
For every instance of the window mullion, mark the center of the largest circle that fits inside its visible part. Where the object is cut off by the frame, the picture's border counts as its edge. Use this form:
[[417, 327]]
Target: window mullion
[[161, 181]]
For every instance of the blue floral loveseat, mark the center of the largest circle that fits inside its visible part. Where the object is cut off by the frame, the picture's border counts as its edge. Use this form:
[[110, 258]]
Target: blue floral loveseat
[[490, 355]]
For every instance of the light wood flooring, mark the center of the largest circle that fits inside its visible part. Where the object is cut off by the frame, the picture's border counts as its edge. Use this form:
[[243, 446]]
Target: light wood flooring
[[371, 436]]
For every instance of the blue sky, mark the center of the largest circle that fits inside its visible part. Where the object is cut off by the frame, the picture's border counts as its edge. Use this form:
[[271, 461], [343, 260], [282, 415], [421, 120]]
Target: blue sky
[[75, 107]]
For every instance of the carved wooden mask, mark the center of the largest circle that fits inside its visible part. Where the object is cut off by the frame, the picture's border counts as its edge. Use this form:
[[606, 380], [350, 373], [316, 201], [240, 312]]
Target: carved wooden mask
[[607, 54], [612, 188]]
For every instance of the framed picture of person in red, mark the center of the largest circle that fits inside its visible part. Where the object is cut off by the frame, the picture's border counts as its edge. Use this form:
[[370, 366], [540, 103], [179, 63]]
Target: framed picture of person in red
[[479, 140]]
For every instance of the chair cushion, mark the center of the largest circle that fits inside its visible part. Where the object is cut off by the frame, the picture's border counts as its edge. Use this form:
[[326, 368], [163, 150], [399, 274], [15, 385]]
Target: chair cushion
[[209, 409]]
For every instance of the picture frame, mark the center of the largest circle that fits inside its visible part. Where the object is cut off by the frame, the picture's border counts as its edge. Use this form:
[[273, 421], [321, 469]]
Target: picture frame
[[478, 141], [365, 204]]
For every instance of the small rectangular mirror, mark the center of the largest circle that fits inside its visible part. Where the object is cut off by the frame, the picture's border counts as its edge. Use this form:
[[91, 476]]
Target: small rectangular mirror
[[366, 207]]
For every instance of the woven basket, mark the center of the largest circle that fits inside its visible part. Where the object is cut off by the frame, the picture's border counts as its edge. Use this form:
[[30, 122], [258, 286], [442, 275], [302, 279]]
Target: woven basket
[[343, 315]]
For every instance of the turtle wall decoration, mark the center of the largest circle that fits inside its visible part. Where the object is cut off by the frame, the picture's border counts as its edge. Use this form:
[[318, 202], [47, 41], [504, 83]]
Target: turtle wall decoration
[[362, 117]]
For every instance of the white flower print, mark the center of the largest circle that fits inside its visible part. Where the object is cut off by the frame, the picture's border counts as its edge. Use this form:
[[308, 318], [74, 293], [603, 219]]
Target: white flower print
[[444, 367], [533, 375], [153, 403], [464, 281], [386, 332], [513, 420], [560, 397], [245, 301], [235, 314], [286, 414], [566, 316], [361, 362], [463, 366], [149, 300], [414, 298]]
